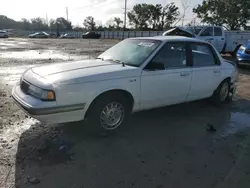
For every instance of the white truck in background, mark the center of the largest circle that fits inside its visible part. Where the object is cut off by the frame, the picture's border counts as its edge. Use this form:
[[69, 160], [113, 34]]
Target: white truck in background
[[223, 41]]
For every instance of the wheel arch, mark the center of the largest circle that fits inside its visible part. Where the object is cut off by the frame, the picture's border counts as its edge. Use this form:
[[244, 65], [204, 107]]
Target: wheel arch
[[121, 92]]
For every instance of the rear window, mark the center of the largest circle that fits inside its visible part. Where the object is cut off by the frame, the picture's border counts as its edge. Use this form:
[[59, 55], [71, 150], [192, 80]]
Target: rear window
[[202, 55]]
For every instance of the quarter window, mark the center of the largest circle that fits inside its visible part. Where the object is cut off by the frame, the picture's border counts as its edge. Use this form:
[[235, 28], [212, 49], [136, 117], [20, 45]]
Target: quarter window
[[203, 55], [171, 55]]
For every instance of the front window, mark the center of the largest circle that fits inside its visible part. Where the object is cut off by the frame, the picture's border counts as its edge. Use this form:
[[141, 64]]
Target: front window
[[207, 32], [170, 56], [194, 30], [131, 51]]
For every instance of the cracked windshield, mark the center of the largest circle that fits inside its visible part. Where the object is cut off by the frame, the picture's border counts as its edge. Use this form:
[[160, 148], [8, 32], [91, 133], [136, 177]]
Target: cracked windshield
[[125, 94]]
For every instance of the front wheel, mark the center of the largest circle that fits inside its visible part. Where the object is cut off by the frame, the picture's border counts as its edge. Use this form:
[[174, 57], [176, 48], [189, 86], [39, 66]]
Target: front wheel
[[222, 93], [109, 112]]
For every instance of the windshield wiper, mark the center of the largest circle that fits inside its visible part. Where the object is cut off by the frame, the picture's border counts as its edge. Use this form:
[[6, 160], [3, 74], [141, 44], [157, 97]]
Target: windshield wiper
[[99, 58], [116, 61]]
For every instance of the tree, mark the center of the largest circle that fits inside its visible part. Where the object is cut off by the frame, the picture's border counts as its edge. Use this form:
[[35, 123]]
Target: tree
[[89, 23], [233, 14], [155, 14], [169, 15], [64, 24], [139, 16], [25, 24], [144, 16], [39, 24], [117, 22], [110, 24]]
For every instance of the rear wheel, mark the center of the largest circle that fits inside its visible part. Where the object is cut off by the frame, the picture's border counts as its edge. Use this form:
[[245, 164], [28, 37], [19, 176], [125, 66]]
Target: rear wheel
[[109, 112]]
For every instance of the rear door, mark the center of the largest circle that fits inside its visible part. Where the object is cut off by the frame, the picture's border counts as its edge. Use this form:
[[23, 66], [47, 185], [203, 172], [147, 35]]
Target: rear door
[[206, 71], [219, 38]]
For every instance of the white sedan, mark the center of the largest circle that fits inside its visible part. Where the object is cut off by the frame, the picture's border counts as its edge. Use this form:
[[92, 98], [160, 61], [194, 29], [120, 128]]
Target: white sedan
[[135, 74], [4, 34]]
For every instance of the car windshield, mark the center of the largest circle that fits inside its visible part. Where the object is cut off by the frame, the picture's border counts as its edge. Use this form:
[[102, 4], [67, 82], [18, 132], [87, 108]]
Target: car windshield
[[194, 30], [131, 51]]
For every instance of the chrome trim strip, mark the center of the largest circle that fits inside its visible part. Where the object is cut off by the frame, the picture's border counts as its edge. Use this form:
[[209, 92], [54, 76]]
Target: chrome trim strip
[[47, 111]]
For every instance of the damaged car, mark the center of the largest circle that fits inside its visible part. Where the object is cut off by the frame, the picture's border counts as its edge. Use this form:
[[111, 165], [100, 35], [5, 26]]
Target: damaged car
[[134, 75]]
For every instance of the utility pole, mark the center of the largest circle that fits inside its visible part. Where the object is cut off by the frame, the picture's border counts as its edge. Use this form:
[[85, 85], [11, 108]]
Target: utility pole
[[67, 13], [125, 19]]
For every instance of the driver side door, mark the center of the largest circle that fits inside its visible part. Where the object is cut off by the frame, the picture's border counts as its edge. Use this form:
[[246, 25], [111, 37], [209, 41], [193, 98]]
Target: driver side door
[[166, 79]]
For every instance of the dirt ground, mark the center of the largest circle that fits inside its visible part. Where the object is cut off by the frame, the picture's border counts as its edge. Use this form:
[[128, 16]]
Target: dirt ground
[[162, 148]]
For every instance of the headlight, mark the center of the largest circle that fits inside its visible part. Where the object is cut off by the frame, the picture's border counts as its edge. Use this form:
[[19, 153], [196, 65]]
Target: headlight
[[42, 94]]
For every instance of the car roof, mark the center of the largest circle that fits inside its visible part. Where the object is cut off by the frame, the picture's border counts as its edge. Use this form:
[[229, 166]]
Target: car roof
[[171, 38]]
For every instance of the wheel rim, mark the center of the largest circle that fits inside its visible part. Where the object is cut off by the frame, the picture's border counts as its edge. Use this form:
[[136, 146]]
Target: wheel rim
[[224, 92], [112, 115]]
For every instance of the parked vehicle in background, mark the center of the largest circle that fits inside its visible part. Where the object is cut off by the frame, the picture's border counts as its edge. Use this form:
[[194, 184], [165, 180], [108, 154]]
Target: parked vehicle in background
[[223, 41], [39, 35], [52, 35], [67, 36], [4, 34], [91, 35], [243, 54], [135, 74]]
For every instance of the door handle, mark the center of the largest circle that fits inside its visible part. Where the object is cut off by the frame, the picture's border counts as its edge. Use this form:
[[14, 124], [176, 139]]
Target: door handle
[[184, 74]]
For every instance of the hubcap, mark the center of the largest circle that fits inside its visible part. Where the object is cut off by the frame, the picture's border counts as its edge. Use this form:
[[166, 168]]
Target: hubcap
[[112, 115], [224, 92]]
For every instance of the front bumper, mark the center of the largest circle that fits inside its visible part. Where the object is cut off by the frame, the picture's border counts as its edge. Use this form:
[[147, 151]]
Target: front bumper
[[243, 61], [45, 111]]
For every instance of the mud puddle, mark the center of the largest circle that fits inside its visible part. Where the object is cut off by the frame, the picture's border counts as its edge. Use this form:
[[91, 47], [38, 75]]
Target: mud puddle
[[40, 55], [238, 123]]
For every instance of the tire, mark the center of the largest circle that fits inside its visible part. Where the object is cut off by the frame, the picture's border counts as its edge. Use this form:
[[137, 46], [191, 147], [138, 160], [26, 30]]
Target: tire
[[221, 95], [110, 104]]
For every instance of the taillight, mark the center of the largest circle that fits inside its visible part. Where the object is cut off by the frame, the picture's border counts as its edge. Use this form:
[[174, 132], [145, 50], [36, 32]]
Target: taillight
[[247, 52]]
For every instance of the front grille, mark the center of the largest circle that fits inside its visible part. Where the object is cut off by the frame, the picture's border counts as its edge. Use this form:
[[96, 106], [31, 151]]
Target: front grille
[[24, 86], [247, 51]]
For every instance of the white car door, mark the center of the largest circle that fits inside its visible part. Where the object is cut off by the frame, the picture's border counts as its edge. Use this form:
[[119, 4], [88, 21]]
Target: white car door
[[166, 79], [206, 74]]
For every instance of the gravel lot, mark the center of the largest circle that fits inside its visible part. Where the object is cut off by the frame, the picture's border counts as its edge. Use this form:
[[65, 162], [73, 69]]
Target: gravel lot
[[166, 147]]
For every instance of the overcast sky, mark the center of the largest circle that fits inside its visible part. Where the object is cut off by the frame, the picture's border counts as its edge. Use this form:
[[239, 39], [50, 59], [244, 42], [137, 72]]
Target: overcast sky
[[101, 10]]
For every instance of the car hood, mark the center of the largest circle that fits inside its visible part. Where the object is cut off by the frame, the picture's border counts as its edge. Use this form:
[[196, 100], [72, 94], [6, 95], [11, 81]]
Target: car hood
[[84, 71]]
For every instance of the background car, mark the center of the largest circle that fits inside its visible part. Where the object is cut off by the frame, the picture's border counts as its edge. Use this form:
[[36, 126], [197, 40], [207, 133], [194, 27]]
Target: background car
[[243, 54], [4, 34], [67, 36], [52, 35], [91, 35], [39, 35]]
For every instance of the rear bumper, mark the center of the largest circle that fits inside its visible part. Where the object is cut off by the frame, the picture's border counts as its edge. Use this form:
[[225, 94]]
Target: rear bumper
[[49, 114]]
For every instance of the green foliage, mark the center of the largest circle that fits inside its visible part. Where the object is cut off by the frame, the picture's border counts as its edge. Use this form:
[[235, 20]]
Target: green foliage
[[62, 23], [144, 16], [233, 14], [118, 22], [89, 23]]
